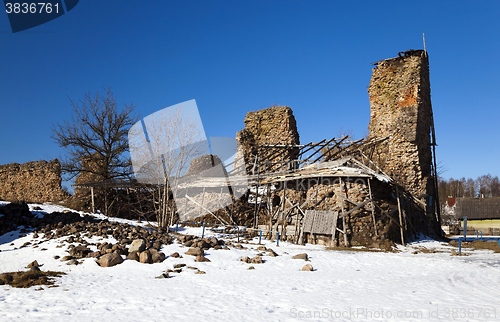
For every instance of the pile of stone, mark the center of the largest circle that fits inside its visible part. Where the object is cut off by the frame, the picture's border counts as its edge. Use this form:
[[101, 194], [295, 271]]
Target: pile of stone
[[13, 215]]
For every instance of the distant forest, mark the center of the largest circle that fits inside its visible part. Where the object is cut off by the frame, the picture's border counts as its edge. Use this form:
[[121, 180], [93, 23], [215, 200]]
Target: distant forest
[[483, 186]]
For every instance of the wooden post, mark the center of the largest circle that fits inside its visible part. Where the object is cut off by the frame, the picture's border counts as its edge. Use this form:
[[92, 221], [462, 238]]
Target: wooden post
[[373, 208], [257, 208], [343, 218], [400, 218], [92, 193], [202, 200], [283, 209]]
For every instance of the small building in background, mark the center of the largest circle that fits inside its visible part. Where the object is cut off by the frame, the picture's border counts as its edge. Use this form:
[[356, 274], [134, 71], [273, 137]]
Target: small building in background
[[483, 214]]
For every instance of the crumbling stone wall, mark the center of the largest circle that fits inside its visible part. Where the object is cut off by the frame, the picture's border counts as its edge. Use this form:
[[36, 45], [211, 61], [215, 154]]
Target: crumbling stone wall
[[401, 109], [326, 193], [360, 226], [204, 163], [36, 181], [274, 125], [91, 165]]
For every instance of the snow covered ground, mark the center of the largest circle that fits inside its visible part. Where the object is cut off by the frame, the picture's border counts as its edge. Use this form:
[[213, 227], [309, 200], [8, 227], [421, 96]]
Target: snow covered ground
[[344, 286]]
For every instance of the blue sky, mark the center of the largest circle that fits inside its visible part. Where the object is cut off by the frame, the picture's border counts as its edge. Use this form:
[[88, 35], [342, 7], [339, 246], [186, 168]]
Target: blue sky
[[238, 56]]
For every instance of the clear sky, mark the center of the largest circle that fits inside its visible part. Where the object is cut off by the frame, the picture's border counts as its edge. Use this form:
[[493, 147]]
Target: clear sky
[[238, 56]]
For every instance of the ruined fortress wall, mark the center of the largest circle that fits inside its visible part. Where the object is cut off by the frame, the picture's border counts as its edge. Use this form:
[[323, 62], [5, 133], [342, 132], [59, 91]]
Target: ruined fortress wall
[[274, 125], [36, 181], [400, 108]]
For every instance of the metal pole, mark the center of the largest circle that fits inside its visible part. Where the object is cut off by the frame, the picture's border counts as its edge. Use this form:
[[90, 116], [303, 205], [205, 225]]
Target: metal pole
[[465, 227]]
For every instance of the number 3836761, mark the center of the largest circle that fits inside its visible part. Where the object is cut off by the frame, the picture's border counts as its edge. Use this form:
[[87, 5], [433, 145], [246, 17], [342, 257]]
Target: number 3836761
[[34, 7]]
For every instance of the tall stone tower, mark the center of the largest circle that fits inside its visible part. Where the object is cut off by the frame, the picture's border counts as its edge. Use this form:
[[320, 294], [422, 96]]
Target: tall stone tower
[[400, 101], [273, 125]]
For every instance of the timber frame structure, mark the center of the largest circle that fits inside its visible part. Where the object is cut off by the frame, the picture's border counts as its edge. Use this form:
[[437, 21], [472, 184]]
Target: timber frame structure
[[275, 182]]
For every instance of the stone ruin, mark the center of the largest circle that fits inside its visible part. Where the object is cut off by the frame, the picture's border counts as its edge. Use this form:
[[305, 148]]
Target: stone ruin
[[398, 146], [395, 178], [91, 166], [36, 181], [274, 125], [401, 110]]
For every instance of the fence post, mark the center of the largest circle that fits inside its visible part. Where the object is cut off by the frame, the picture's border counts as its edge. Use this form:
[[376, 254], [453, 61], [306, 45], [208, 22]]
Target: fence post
[[277, 239], [238, 233], [203, 233], [260, 236], [460, 246], [177, 227]]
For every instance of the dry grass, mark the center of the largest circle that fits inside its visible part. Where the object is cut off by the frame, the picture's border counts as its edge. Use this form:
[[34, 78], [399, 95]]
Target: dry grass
[[29, 278], [479, 244]]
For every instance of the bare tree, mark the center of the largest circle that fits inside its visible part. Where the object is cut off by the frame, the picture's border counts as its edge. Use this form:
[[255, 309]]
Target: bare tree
[[471, 188], [495, 187], [484, 184], [162, 148], [96, 133]]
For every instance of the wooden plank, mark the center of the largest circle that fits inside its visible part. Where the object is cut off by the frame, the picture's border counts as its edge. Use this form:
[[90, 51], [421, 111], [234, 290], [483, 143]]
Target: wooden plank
[[320, 222], [373, 208], [343, 218], [355, 208], [400, 218]]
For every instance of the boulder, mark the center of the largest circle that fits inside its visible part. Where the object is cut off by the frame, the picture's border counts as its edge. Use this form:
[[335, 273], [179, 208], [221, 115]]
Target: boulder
[[214, 241], [145, 257], [175, 255], [272, 253], [307, 268], [72, 262], [257, 260], [196, 251], [79, 251], [203, 244], [133, 256], [33, 264], [94, 254], [34, 269], [201, 258], [300, 256], [156, 256], [138, 245], [163, 275], [109, 260]]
